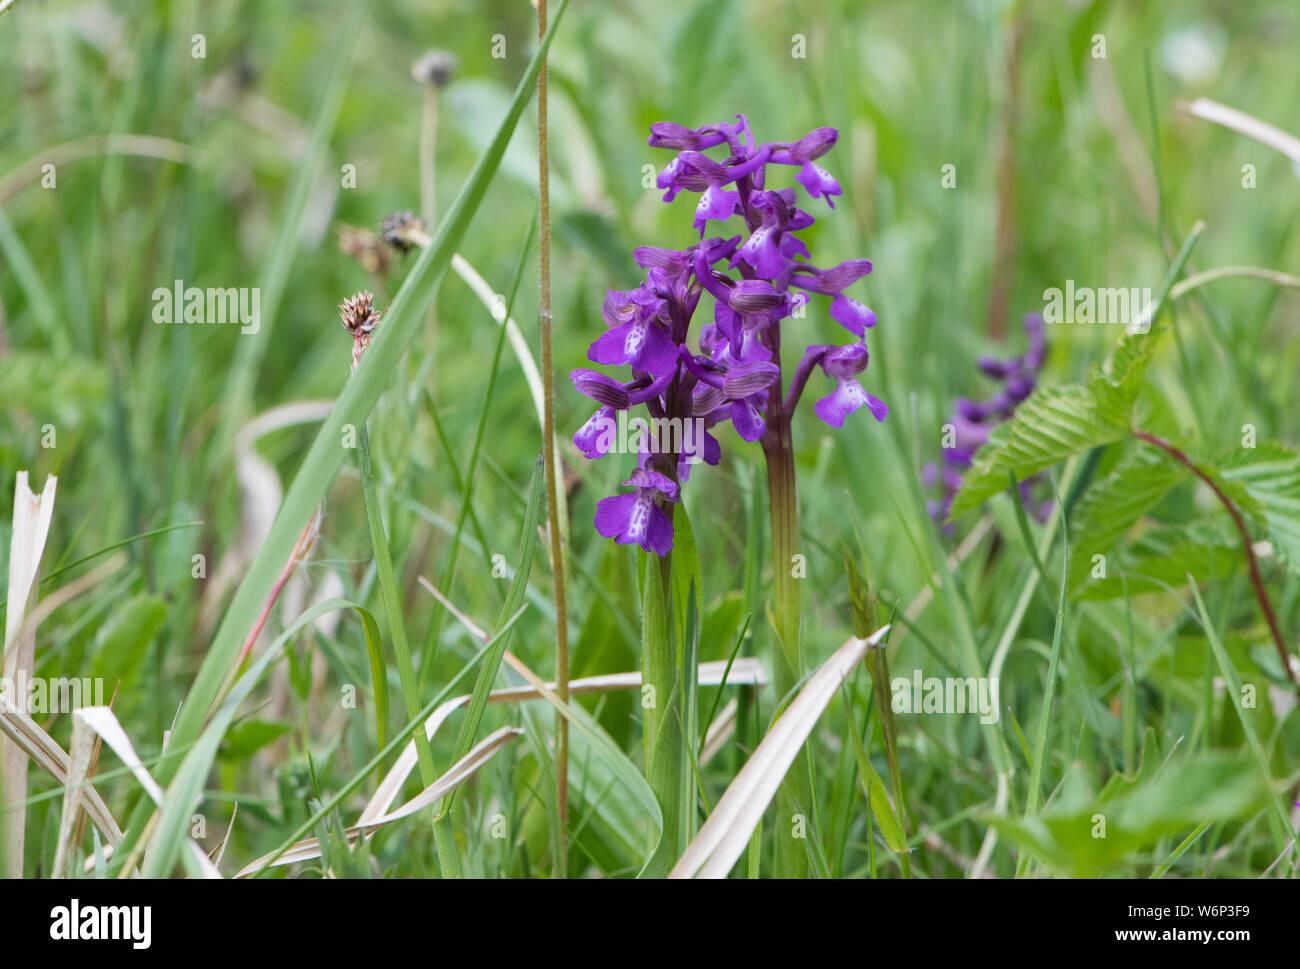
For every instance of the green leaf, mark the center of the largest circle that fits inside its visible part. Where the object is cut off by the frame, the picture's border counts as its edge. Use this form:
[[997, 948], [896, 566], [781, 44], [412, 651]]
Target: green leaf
[[487, 673], [1218, 786], [1270, 475], [1163, 558], [1060, 423], [881, 807], [1114, 504], [124, 639], [245, 739], [378, 673], [661, 709], [1052, 425]]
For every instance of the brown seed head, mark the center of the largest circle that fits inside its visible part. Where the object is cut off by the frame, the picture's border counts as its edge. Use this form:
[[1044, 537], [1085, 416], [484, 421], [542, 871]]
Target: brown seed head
[[359, 314], [435, 67], [398, 228], [366, 248]]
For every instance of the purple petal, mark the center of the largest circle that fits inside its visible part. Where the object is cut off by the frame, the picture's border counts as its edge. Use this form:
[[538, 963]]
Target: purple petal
[[855, 317], [645, 479], [635, 519], [761, 252], [747, 379], [596, 437], [666, 134], [841, 277], [657, 257], [818, 182], [754, 296], [747, 420], [847, 397], [599, 387], [716, 203]]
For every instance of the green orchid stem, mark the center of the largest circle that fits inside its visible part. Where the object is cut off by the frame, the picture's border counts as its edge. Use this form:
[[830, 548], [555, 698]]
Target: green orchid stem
[[662, 708], [1247, 546], [787, 663]]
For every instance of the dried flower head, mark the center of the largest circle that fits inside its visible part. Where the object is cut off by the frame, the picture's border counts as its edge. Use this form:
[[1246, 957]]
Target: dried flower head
[[365, 247], [360, 318], [401, 229], [435, 67]]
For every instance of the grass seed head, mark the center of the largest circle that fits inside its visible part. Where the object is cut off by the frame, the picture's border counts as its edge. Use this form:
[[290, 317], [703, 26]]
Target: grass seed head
[[400, 228]]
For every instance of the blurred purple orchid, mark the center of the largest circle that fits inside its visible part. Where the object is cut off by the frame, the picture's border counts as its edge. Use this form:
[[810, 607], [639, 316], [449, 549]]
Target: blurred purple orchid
[[972, 422]]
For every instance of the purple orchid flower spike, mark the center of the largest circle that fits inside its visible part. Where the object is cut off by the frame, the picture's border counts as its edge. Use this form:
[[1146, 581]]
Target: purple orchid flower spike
[[732, 373], [635, 518]]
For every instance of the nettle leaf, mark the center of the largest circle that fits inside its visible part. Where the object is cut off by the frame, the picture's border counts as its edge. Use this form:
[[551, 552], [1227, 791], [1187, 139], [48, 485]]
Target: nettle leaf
[[1116, 384], [1164, 557], [1218, 786], [1052, 425], [1270, 476], [1111, 506], [1058, 423]]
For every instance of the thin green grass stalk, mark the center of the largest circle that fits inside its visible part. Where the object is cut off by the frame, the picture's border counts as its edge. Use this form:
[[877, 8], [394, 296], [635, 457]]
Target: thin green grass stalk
[[439, 615], [448, 855], [1234, 693], [554, 493], [1049, 689]]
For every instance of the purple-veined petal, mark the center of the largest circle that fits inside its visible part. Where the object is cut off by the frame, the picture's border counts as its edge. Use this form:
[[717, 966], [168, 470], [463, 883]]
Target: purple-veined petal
[[599, 387], [595, 438], [754, 296], [747, 379]]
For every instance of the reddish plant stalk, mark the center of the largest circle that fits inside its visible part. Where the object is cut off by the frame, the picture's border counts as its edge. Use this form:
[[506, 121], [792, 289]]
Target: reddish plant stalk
[[1247, 546]]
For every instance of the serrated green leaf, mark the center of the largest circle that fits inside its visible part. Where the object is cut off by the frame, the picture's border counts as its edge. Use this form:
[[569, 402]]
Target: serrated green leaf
[[1052, 425], [1163, 557], [1111, 506], [1215, 787], [1270, 475]]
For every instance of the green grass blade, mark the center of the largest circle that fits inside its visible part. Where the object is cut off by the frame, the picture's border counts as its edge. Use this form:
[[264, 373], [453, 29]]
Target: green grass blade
[[325, 456]]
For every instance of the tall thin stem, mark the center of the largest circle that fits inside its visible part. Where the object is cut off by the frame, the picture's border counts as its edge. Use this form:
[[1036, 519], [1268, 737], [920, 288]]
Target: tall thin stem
[[553, 492], [1246, 544], [787, 665]]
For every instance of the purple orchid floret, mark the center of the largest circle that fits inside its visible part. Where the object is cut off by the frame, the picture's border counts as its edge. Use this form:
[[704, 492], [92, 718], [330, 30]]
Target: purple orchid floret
[[973, 421], [636, 517], [757, 280]]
